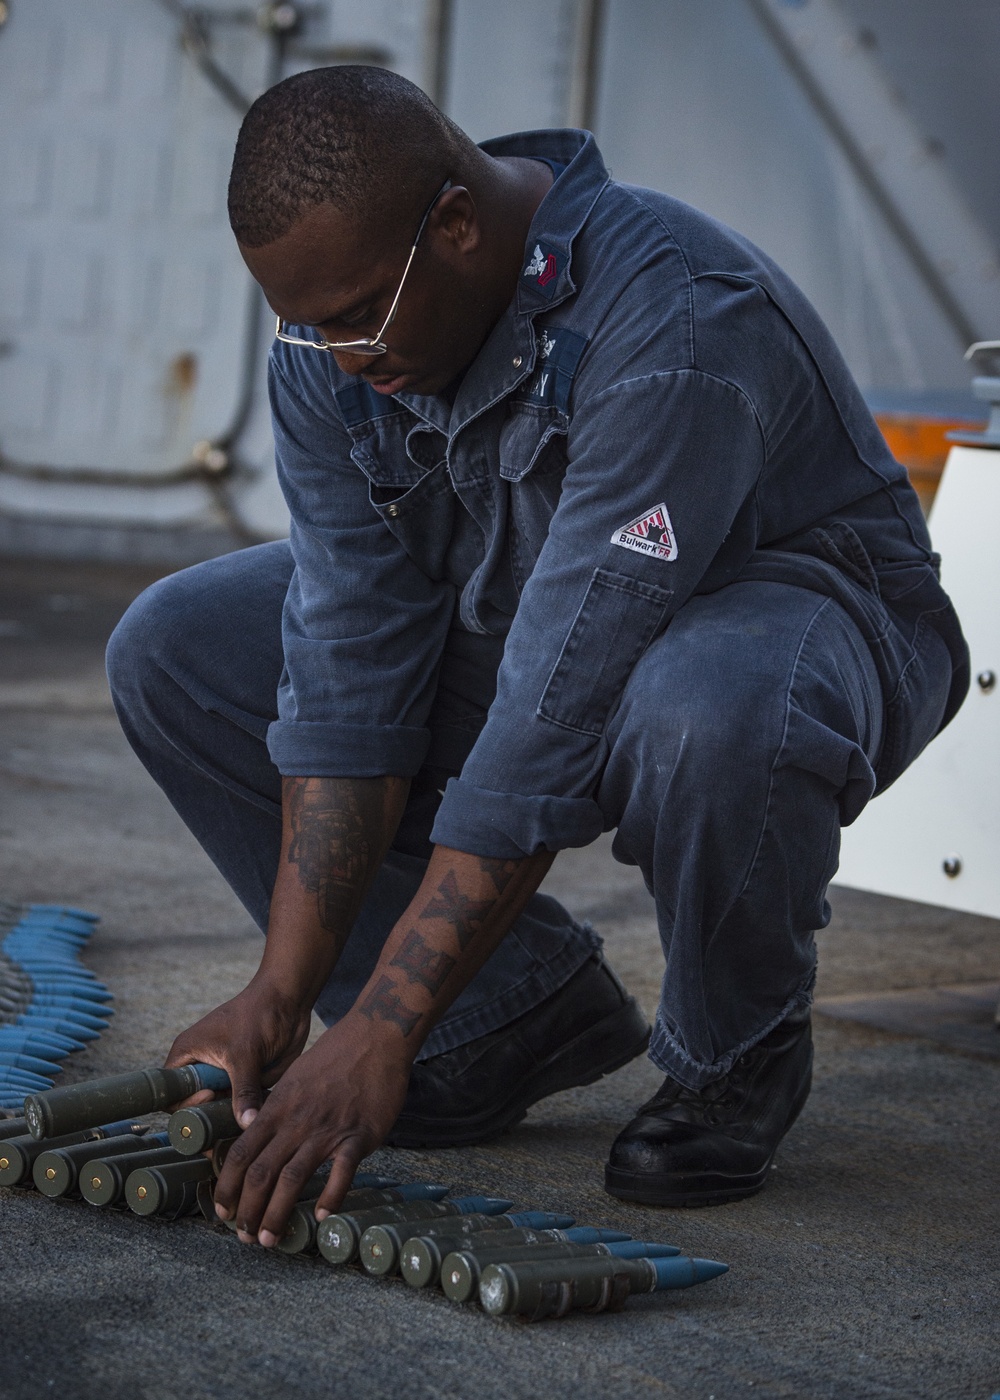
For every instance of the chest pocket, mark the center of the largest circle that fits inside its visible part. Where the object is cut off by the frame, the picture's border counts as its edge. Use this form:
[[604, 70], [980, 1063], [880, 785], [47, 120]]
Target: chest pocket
[[380, 430], [422, 518], [532, 439]]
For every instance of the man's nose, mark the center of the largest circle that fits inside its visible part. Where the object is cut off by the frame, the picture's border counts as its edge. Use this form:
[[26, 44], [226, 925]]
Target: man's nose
[[353, 364]]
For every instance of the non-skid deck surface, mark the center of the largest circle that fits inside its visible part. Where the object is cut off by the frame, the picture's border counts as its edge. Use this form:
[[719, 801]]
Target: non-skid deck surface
[[868, 1268]]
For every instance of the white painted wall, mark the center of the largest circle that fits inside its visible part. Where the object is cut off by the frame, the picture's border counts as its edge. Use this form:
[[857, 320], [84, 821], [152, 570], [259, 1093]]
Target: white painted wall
[[126, 314]]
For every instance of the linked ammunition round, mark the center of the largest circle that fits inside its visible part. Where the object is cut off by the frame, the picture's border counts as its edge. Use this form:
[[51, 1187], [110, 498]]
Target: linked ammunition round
[[56, 1172], [193, 1130], [219, 1154], [462, 1269], [102, 1180], [339, 1235], [168, 1190], [138, 1092], [17, 1155], [300, 1232], [538, 1288], [526, 1226], [423, 1253]]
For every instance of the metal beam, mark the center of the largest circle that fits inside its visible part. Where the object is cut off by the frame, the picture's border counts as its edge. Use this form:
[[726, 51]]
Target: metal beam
[[581, 101], [837, 68]]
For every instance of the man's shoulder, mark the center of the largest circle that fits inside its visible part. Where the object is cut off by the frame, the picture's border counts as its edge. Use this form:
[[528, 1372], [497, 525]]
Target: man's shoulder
[[634, 213]]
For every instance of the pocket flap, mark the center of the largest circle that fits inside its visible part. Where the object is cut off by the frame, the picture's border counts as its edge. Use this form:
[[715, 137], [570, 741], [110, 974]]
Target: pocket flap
[[618, 619], [525, 435]]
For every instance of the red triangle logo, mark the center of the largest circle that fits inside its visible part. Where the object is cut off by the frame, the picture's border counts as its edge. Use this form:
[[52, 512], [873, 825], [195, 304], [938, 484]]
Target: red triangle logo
[[651, 534]]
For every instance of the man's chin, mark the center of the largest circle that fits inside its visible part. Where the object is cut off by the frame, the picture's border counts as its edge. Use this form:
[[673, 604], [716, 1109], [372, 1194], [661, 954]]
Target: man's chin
[[420, 382]]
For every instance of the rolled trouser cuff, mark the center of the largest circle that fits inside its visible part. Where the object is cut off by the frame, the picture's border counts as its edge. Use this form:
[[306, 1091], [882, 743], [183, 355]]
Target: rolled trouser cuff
[[667, 1053]]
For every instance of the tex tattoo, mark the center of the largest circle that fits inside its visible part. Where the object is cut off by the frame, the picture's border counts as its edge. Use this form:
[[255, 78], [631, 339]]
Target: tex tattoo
[[422, 963], [464, 913], [383, 1003]]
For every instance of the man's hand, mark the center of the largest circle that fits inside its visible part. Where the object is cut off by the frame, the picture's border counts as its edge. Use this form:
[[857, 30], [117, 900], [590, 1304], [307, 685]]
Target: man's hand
[[338, 1101], [341, 1098], [254, 1037], [335, 832]]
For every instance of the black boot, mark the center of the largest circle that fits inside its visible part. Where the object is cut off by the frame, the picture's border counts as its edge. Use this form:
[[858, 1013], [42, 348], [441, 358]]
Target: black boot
[[586, 1029], [688, 1148]]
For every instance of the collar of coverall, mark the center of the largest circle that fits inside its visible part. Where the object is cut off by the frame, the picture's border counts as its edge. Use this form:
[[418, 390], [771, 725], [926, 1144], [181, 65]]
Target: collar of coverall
[[508, 355]]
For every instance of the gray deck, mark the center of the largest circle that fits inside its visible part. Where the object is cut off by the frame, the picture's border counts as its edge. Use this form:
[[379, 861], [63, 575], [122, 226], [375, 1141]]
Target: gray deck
[[867, 1269]]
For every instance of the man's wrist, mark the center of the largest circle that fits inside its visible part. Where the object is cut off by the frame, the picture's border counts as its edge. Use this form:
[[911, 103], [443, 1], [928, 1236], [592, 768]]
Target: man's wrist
[[289, 991]]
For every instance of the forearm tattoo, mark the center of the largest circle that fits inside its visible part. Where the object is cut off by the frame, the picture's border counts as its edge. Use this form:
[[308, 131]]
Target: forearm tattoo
[[501, 872], [422, 963], [335, 824], [383, 1003], [462, 912], [419, 960]]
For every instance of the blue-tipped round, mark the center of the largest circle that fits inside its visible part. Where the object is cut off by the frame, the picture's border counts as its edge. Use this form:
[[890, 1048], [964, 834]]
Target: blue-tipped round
[[682, 1272], [62, 996], [36, 937], [541, 1220], [65, 910], [31, 1063], [480, 1205], [20, 1079], [94, 997], [364, 1181], [50, 937], [642, 1249], [422, 1191], [76, 999], [45, 1044], [58, 1010], [126, 1125], [59, 962], [47, 936], [211, 1077], [591, 1234], [73, 1031], [67, 987]]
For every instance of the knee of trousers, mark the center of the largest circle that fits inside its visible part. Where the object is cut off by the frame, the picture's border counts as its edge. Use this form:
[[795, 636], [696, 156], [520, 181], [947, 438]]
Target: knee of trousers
[[208, 628], [171, 630], [697, 751], [704, 733], [145, 637]]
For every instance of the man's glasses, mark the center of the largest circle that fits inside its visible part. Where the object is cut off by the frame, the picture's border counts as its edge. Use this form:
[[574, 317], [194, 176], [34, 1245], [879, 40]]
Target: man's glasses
[[373, 345]]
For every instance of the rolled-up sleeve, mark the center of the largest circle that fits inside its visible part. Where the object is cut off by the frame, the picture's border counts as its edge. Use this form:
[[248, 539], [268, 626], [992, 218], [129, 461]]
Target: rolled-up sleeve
[[681, 439], [363, 627]]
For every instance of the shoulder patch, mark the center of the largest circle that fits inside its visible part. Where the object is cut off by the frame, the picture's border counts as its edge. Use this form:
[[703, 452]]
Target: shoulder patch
[[650, 533], [559, 353]]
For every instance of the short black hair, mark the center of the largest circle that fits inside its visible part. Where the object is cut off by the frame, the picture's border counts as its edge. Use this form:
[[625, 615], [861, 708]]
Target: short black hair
[[357, 136]]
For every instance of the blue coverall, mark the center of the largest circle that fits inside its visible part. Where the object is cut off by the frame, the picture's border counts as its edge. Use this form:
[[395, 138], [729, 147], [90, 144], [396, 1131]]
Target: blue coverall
[[651, 567]]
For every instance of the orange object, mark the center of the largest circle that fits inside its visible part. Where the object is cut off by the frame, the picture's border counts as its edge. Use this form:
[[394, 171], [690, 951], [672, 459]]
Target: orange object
[[920, 444]]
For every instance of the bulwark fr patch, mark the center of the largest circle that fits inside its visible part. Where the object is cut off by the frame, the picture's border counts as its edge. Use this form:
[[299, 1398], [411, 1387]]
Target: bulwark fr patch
[[650, 533]]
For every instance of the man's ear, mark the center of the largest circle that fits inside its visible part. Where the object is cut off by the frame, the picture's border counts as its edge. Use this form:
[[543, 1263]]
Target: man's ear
[[456, 221]]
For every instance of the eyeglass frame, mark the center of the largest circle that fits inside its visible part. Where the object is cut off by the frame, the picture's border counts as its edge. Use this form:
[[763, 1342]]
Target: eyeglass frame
[[367, 345]]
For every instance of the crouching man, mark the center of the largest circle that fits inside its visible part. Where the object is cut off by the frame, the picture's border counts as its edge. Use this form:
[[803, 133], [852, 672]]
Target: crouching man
[[591, 530]]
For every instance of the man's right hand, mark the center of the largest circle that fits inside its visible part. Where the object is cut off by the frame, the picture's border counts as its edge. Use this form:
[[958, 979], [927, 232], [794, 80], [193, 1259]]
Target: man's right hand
[[254, 1038], [335, 833]]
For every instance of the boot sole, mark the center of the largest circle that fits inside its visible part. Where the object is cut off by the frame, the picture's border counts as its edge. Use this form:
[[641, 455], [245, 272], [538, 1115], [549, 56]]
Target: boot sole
[[599, 1050], [690, 1192]]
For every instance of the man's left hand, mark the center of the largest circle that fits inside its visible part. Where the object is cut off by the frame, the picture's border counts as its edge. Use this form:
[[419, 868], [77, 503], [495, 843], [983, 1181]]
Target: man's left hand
[[338, 1101]]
